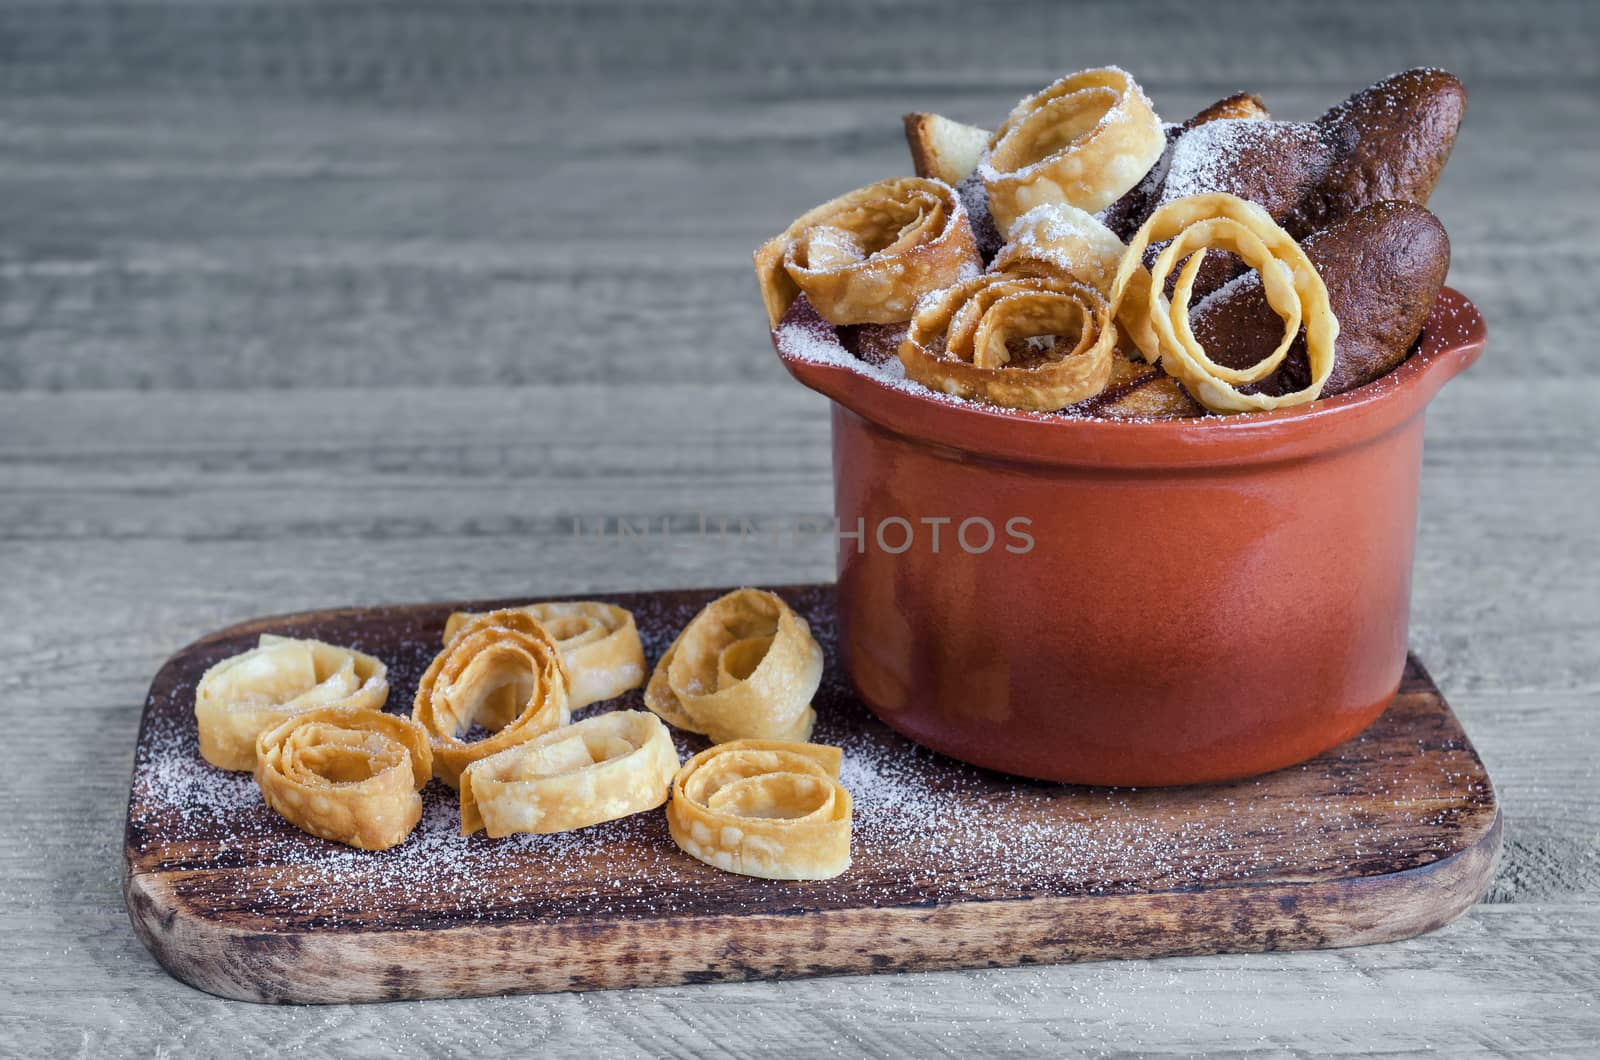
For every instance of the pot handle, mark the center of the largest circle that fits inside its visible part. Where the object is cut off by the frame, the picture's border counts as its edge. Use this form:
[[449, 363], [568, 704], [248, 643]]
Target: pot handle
[[1456, 341], [1457, 358]]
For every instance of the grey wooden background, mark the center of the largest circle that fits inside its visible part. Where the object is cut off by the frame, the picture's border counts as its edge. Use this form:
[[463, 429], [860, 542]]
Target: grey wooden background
[[305, 305]]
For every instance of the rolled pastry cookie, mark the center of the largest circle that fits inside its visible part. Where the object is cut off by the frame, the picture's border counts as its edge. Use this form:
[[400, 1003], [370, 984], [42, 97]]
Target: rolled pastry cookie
[[745, 666], [1289, 280], [503, 671], [599, 644], [1025, 342], [767, 808], [867, 256], [943, 149], [242, 696], [349, 775], [608, 766], [1084, 141], [1055, 239], [1058, 239]]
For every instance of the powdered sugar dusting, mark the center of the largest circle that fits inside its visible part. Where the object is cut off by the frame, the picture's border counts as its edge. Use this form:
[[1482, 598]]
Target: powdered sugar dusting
[[1213, 157], [1076, 242], [808, 344], [805, 336]]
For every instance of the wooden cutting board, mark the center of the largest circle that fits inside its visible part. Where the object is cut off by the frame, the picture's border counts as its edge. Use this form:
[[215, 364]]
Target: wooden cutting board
[[1392, 834]]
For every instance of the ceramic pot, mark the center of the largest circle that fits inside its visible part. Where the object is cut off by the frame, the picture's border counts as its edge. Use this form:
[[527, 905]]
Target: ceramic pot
[[1131, 603]]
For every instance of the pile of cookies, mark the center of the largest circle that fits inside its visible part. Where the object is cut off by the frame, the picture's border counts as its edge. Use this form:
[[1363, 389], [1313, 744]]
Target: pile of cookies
[[492, 719], [1085, 256]]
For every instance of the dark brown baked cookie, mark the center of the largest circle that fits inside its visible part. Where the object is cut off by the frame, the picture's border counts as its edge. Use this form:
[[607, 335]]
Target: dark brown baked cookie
[[1383, 267], [1390, 142], [1126, 214]]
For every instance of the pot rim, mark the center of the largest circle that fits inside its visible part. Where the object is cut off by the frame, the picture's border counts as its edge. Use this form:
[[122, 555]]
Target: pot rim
[[1452, 339]]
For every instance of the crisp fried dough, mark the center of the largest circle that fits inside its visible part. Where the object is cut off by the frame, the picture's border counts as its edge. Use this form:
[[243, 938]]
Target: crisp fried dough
[[867, 256], [599, 644], [503, 671], [608, 766], [745, 666], [1189, 227], [351, 775], [1142, 391], [1024, 342], [1084, 140], [1383, 268], [943, 149], [767, 808], [244, 695]]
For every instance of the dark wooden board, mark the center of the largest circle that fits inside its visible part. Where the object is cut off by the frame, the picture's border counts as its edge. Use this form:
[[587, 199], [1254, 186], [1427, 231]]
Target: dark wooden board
[[1390, 835]]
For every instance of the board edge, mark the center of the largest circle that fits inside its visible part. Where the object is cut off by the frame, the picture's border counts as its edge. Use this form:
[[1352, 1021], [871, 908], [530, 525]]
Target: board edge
[[230, 961], [372, 966]]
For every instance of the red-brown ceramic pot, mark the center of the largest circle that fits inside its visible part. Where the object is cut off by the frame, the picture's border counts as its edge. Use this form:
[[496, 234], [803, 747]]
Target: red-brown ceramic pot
[[1140, 603]]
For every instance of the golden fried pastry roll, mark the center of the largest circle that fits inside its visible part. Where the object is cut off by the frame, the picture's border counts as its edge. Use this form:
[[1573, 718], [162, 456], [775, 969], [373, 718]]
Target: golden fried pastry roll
[[943, 149], [866, 257], [242, 696], [1056, 239], [1025, 342], [1290, 282], [1241, 106], [599, 644], [604, 767], [502, 670], [1060, 240], [1085, 141], [349, 775], [745, 666], [768, 808]]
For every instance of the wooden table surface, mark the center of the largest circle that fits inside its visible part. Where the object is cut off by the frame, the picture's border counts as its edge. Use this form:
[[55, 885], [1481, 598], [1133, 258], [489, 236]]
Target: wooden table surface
[[320, 304]]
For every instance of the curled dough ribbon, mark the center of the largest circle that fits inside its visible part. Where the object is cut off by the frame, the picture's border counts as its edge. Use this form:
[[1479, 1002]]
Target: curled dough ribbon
[[1084, 141], [1292, 285], [746, 665], [352, 776], [1061, 240], [867, 256], [243, 696], [767, 808], [598, 769], [599, 643], [1025, 342], [1056, 239], [503, 671]]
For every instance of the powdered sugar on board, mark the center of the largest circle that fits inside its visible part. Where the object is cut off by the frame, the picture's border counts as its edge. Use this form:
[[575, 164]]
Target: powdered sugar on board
[[926, 828]]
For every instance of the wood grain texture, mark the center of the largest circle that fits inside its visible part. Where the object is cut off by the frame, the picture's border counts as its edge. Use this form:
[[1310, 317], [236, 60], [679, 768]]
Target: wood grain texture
[[1392, 834], [350, 303]]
